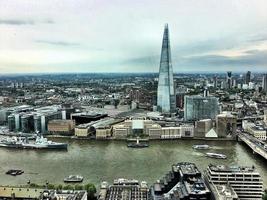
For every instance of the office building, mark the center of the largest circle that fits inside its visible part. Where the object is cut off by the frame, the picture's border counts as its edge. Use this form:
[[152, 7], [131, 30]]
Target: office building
[[202, 127], [215, 81], [223, 192], [61, 127], [124, 189], [245, 181], [226, 125], [165, 96], [152, 129], [229, 80], [248, 77], [87, 117], [183, 182], [264, 83], [27, 123], [198, 107], [258, 131]]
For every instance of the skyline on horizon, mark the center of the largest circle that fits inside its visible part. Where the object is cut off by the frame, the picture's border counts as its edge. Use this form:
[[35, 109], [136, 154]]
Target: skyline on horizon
[[124, 36]]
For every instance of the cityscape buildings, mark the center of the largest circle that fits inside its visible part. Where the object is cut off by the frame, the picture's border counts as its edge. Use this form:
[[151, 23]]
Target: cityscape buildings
[[229, 111], [165, 97]]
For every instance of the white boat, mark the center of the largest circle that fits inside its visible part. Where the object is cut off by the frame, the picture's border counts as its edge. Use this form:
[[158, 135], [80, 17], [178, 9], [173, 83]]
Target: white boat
[[216, 155], [201, 146], [73, 179]]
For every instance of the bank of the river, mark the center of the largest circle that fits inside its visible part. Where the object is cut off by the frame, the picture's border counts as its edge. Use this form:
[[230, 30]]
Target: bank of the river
[[107, 160]]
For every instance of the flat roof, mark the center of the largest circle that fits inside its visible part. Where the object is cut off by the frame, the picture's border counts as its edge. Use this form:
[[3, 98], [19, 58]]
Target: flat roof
[[225, 168]]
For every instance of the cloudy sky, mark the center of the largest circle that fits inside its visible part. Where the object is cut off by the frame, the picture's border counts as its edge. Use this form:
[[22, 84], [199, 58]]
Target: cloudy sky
[[126, 35]]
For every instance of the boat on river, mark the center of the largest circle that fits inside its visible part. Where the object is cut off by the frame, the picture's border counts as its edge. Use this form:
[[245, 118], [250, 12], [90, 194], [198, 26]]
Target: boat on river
[[39, 143], [14, 172], [216, 155], [73, 179], [137, 144], [201, 146]]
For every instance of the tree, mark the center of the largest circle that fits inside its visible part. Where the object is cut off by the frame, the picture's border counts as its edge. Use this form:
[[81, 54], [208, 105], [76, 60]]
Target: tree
[[68, 187], [78, 187], [91, 191], [50, 186], [59, 187], [265, 195]]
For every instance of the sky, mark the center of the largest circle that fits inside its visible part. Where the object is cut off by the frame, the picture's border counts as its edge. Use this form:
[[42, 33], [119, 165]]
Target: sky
[[51, 36]]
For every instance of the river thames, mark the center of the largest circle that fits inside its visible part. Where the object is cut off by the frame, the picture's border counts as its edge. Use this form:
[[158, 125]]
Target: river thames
[[97, 161]]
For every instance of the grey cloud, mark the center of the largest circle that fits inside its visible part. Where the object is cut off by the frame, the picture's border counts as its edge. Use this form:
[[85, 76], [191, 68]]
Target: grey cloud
[[18, 22], [58, 43], [258, 39], [253, 58]]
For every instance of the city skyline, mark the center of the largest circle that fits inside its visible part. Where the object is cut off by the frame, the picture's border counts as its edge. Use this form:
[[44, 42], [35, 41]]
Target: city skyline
[[124, 36]]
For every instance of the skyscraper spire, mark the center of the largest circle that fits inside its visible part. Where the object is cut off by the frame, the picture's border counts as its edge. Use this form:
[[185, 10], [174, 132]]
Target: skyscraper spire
[[165, 98]]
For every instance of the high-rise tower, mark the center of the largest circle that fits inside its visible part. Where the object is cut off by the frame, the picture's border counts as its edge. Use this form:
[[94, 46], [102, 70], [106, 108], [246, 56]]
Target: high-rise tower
[[166, 98], [264, 83]]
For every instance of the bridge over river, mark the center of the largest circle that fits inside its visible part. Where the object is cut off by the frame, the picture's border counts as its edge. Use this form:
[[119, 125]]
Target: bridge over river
[[255, 144]]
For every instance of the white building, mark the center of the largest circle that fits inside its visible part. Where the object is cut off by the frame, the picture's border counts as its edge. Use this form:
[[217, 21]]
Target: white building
[[245, 181]]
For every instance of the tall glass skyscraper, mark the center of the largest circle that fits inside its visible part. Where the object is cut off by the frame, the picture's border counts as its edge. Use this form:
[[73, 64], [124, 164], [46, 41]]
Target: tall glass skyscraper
[[165, 97]]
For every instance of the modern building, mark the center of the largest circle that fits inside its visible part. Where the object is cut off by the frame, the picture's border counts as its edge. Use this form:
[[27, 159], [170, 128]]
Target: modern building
[[5, 112], [199, 107], [87, 117], [229, 80], [61, 127], [202, 127], [258, 131], [27, 123], [226, 124], [245, 181], [165, 96], [82, 130], [124, 189], [223, 192], [183, 182], [264, 83], [152, 129], [43, 116], [248, 77]]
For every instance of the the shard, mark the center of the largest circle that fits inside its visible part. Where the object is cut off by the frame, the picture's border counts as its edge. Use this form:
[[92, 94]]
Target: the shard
[[165, 97]]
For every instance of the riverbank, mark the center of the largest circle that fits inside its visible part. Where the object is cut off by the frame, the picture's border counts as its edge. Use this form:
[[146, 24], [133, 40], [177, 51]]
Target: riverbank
[[125, 139]]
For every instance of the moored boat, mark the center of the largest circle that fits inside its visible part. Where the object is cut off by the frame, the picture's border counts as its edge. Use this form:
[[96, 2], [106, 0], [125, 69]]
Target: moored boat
[[137, 144], [73, 179], [14, 172], [39, 143]]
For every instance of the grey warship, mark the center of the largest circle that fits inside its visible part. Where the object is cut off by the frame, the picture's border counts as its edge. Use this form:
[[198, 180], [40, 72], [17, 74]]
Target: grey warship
[[39, 143]]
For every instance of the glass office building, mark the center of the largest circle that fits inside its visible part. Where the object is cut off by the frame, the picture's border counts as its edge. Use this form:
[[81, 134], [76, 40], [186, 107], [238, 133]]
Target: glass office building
[[165, 97], [198, 107]]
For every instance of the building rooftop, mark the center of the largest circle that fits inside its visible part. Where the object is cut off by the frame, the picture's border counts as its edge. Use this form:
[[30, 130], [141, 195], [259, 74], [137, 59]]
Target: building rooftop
[[233, 169], [223, 192], [18, 192]]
